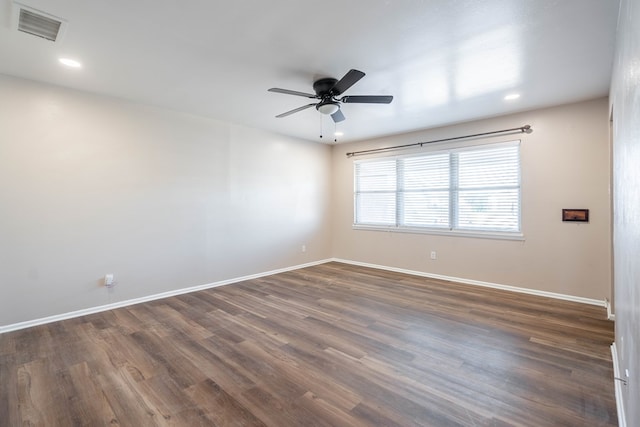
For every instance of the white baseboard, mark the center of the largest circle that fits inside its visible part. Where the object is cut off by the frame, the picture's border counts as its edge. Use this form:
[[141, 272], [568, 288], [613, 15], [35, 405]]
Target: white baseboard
[[610, 315], [98, 309], [600, 303], [622, 422]]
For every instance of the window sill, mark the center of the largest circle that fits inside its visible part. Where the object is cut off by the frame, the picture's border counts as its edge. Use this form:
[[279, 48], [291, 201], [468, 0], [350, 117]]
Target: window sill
[[445, 232]]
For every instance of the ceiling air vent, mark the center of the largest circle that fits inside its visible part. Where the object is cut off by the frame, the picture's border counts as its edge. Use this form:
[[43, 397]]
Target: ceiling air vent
[[37, 23]]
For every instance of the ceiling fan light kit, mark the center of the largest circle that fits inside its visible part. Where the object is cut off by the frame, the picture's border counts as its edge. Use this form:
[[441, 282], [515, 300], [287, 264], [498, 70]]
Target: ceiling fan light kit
[[328, 108], [328, 90]]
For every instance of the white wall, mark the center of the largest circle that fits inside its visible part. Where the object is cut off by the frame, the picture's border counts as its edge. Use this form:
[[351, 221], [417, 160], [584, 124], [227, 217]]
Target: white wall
[[92, 185], [625, 97], [565, 164]]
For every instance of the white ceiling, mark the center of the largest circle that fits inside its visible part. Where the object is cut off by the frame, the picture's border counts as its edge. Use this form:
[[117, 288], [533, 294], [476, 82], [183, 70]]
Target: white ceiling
[[445, 61]]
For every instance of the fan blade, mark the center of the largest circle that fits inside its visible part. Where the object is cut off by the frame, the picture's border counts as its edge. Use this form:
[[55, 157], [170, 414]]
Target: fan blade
[[347, 81], [291, 92], [288, 113], [337, 116], [367, 99]]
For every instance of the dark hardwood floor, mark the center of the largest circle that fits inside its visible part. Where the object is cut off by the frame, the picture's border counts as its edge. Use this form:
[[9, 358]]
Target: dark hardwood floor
[[330, 345]]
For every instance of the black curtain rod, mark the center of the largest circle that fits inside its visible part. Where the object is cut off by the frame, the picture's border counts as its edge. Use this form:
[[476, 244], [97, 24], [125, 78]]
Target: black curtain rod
[[522, 129]]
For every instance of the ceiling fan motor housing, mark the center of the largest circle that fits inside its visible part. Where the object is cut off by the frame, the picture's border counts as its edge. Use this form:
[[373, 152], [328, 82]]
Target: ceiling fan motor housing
[[323, 87]]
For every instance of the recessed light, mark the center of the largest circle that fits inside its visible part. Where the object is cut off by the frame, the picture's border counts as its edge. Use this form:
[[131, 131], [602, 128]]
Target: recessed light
[[512, 96], [71, 63], [339, 133]]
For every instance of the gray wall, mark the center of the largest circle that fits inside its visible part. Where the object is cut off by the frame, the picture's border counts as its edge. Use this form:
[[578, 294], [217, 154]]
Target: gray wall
[[92, 185], [625, 98]]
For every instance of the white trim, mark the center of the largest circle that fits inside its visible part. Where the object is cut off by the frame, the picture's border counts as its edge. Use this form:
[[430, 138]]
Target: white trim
[[622, 422], [497, 235], [610, 315], [98, 309], [554, 295]]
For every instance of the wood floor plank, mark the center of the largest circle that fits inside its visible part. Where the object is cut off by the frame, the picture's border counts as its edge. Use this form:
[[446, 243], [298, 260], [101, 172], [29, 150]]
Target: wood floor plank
[[329, 345], [222, 408], [92, 406]]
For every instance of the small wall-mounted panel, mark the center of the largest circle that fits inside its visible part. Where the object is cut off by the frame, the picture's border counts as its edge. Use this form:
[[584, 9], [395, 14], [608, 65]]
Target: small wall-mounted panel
[[575, 215]]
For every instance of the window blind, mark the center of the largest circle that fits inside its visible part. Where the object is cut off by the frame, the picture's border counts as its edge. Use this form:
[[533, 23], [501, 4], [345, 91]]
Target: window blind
[[475, 188], [376, 187]]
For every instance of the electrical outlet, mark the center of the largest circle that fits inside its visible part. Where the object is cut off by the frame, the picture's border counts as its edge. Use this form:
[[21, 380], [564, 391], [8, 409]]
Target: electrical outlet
[[108, 280], [304, 248], [434, 255]]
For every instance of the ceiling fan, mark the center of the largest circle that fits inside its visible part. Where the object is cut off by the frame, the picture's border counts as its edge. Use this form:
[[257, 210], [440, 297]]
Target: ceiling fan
[[328, 90]]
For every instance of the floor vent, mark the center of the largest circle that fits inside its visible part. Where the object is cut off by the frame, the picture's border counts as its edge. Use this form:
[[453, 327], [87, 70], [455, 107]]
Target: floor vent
[[38, 23]]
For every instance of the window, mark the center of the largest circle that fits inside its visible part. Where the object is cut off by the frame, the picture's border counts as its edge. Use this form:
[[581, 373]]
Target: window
[[473, 189]]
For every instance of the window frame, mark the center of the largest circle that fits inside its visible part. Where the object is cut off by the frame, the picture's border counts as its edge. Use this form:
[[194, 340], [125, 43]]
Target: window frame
[[452, 228]]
